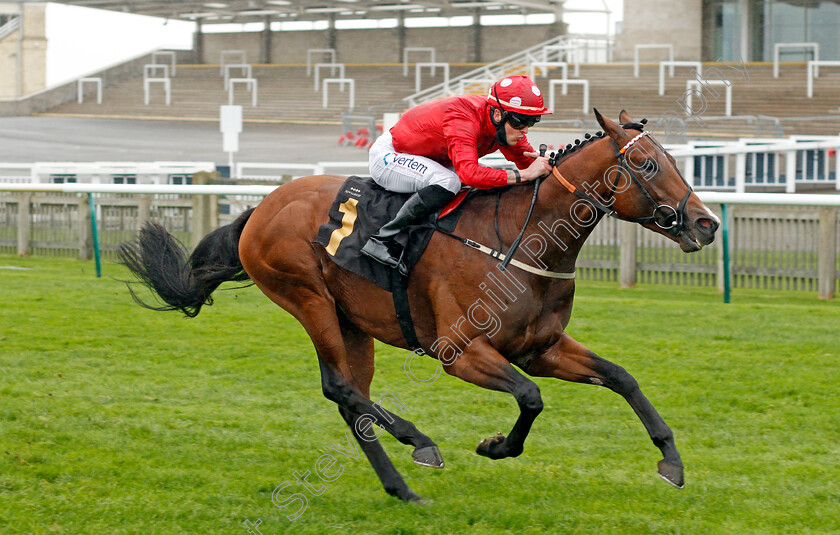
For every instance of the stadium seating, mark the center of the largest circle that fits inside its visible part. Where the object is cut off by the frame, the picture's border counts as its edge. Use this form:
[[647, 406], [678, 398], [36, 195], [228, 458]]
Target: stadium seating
[[287, 95]]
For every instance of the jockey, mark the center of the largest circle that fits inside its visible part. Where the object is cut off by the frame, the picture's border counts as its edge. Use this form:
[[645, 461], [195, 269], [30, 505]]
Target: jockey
[[434, 149]]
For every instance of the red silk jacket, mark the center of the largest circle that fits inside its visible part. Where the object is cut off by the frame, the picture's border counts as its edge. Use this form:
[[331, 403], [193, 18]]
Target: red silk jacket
[[456, 132]]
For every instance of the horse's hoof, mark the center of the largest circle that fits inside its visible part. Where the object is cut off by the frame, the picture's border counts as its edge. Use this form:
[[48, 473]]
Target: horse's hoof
[[428, 456], [405, 494], [672, 473], [488, 447], [418, 500]]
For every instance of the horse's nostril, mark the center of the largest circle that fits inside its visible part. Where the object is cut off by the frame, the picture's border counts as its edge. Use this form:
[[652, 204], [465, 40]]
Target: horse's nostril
[[707, 225]]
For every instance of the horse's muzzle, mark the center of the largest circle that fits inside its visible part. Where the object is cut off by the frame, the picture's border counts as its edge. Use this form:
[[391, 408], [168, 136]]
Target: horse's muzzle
[[699, 232]]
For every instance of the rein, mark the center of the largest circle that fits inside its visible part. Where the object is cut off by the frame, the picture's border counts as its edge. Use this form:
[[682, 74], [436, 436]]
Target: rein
[[508, 258]]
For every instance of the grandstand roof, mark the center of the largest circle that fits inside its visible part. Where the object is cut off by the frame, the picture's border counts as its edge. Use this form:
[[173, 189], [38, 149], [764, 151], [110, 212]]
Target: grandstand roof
[[241, 11]]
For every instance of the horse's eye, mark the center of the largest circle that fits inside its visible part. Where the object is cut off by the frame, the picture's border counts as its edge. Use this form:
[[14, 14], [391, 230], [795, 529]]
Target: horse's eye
[[649, 166]]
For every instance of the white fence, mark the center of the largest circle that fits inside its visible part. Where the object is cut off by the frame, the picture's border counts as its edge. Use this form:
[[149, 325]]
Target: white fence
[[767, 164], [103, 172], [776, 240], [757, 164]]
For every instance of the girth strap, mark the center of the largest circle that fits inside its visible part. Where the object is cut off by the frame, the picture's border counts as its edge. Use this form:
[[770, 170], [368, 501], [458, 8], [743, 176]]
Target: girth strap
[[400, 294]]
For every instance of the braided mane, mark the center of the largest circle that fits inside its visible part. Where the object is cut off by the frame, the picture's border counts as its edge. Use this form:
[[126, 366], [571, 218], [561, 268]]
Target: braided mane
[[563, 152]]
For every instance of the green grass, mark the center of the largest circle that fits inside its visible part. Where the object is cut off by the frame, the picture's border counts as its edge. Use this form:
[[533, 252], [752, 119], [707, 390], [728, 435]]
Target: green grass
[[117, 419]]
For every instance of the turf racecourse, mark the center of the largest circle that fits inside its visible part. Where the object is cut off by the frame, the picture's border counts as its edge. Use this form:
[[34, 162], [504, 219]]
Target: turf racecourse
[[116, 419]]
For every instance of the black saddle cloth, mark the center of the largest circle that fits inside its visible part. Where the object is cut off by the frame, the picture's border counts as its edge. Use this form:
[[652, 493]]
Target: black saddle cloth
[[360, 208]]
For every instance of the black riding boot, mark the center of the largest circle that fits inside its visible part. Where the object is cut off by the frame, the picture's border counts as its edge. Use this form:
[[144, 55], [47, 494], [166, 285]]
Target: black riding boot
[[426, 201]]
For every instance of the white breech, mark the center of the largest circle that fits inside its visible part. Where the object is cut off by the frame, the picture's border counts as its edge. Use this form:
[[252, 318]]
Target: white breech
[[407, 173]]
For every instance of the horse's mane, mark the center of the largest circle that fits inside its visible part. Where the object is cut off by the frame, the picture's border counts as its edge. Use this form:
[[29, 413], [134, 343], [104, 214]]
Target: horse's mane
[[566, 151], [562, 153]]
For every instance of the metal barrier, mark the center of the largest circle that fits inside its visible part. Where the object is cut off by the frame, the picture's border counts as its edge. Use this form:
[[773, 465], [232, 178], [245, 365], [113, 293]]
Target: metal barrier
[[689, 92], [662, 64], [328, 51], [668, 47], [80, 88], [512, 63], [569, 52], [815, 47], [418, 67], [409, 49], [167, 88], [544, 67], [564, 83], [165, 53], [350, 82], [250, 85], [813, 71], [332, 66], [241, 58], [245, 72]]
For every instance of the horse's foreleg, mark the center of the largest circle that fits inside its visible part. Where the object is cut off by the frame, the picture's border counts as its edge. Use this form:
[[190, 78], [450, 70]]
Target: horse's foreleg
[[571, 361], [482, 365], [359, 347]]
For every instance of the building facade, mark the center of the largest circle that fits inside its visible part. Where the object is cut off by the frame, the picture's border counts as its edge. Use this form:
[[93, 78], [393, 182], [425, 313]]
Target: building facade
[[731, 29], [23, 49]]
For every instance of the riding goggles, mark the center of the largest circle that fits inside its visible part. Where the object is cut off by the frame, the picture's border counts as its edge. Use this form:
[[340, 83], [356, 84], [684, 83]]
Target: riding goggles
[[519, 121]]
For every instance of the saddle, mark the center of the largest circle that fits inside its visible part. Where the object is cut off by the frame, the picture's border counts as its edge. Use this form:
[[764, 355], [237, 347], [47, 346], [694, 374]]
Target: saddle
[[360, 208]]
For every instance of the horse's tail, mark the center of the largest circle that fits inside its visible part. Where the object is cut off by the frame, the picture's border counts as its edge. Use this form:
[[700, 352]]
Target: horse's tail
[[181, 280]]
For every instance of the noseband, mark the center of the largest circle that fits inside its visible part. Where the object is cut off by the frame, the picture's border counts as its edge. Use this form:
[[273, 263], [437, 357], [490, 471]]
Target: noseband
[[670, 219]]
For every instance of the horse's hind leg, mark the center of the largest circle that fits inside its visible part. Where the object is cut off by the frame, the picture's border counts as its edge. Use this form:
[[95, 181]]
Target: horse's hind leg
[[359, 347], [571, 361], [317, 313]]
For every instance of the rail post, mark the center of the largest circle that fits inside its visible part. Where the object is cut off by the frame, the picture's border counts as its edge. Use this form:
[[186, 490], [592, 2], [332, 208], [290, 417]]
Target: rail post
[[827, 256], [144, 210], [726, 267], [94, 231], [203, 213], [627, 255], [84, 225], [24, 223]]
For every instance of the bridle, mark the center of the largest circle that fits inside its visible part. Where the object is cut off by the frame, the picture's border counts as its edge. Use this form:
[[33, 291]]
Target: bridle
[[670, 219]]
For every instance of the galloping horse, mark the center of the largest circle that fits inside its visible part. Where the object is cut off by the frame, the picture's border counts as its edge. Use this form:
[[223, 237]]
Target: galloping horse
[[622, 172]]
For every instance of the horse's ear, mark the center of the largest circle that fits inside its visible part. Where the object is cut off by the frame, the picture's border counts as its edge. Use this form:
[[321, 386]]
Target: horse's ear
[[599, 118], [612, 128], [625, 118]]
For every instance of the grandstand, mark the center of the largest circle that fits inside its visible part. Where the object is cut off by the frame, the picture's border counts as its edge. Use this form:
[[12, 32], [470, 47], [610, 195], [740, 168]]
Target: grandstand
[[762, 105], [287, 95]]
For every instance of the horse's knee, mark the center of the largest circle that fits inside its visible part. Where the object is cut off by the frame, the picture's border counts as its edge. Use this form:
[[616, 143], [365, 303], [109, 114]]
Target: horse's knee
[[529, 399]]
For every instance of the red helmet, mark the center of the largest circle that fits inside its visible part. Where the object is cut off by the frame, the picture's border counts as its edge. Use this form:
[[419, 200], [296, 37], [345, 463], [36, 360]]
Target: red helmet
[[518, 94]]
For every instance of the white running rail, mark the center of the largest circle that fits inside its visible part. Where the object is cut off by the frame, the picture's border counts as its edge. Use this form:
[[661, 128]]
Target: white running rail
[[716, 197], [757, 163]]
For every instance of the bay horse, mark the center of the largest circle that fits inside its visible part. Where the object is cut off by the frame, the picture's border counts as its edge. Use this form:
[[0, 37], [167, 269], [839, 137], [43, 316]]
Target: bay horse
[[480, 332]]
